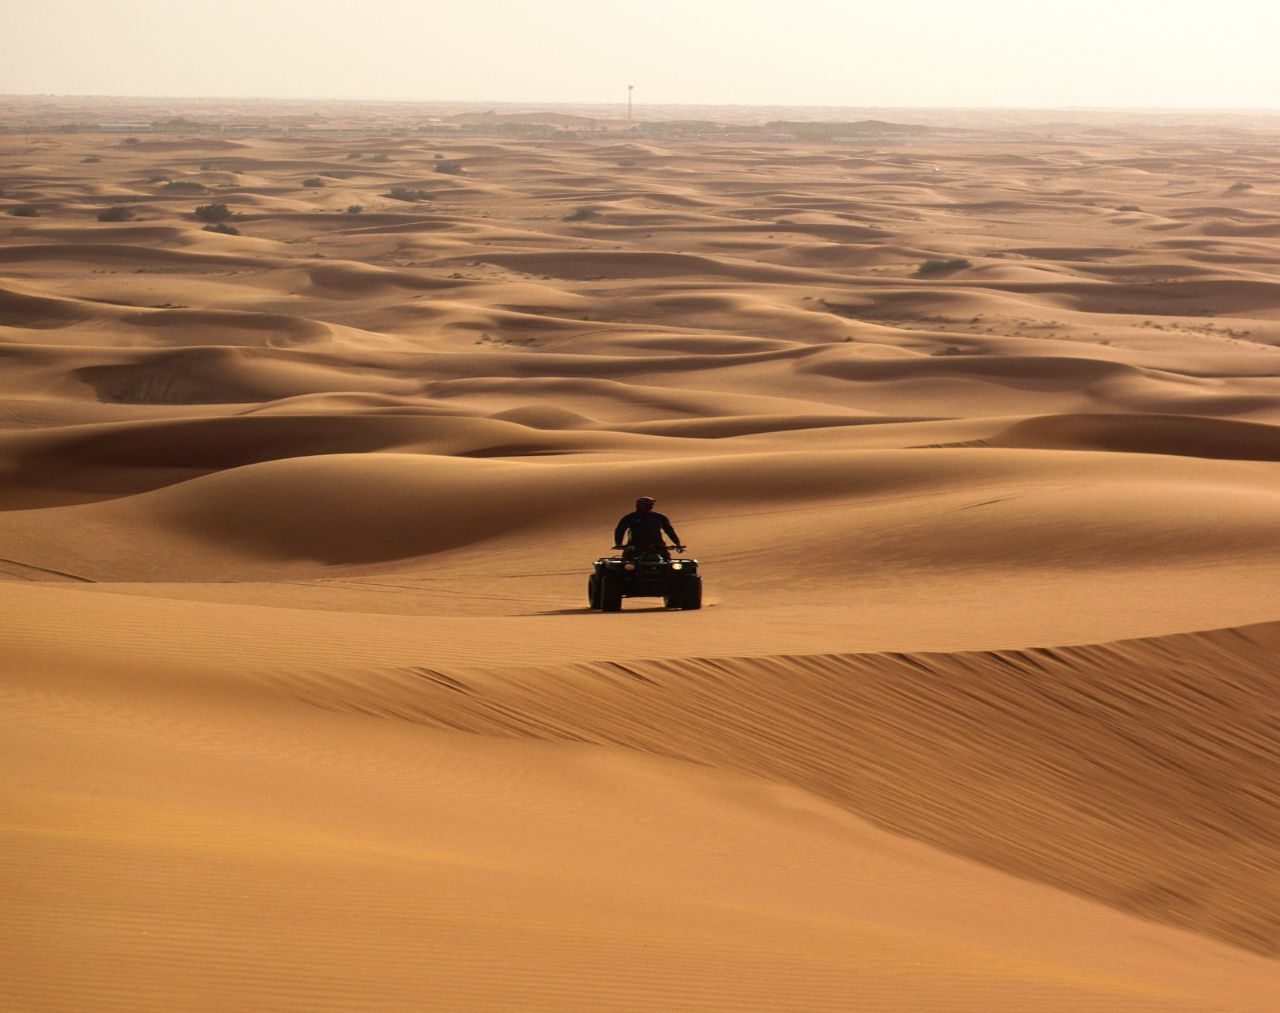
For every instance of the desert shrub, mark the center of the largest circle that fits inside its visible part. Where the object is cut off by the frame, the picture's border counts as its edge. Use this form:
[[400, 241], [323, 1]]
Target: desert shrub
[[943, 266], [381, 156], [185, 186], [405, 194], [313, 182], [24, 211], [119, 213], [354, 209], [212, 213], [450, 165], [91, 158], [1239, 187], [130, 140], [355, 154], [438, 156], [206, 167], [1128, 207], [582, 214], [223, 228]]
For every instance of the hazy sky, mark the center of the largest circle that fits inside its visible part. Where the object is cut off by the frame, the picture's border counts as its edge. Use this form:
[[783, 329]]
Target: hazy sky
[[1180, 53]]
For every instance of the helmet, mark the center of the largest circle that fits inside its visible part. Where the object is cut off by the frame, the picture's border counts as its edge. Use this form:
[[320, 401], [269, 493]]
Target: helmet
[[645, 501]]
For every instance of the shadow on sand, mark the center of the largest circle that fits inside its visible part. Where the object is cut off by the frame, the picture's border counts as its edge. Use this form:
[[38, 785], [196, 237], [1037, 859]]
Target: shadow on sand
[[584, 611]]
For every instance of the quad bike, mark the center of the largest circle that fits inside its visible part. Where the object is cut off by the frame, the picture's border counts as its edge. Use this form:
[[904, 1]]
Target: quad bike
[[646, 572]]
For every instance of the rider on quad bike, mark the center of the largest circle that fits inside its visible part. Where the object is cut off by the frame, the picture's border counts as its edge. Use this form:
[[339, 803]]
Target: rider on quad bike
[[647, 527], [645, 569]]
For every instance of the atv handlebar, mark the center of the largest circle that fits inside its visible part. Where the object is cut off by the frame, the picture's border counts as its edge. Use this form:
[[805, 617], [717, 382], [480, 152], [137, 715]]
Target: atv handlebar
[[677, 548]]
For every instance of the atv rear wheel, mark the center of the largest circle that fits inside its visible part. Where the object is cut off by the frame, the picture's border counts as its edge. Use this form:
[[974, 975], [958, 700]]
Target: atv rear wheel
[[593, 591]]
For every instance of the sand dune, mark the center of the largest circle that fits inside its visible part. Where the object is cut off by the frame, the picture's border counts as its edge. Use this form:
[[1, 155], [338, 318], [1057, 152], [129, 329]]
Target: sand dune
[[1163, 434], [977, 444], [898, 728], [111, 253]]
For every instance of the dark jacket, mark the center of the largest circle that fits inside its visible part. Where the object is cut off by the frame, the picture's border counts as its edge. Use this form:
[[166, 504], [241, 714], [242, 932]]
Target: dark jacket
[[646, 527]]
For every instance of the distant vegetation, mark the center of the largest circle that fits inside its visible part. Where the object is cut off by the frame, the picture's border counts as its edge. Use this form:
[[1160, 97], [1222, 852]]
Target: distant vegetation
[[313, 181], [185, 186], [354, 209], [582, 214], [452, 166], [212, 213], [91, 158], [405, 194], [223, 228], [382, 156], [23, 211], [1239, 187], [943, 266], [119, 213]]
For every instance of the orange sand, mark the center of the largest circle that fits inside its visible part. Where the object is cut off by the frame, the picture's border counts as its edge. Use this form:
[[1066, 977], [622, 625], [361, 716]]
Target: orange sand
[[303, 708]]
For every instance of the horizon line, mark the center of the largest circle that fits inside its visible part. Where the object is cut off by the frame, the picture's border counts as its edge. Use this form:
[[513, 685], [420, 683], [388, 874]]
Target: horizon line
[[622, 103]]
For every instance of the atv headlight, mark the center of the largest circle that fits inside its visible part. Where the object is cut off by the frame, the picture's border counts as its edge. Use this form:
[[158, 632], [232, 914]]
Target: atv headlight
[[677, 566]]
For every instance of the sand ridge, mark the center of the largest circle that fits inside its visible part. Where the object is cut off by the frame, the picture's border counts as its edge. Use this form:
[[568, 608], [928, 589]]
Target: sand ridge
[[975, 436]]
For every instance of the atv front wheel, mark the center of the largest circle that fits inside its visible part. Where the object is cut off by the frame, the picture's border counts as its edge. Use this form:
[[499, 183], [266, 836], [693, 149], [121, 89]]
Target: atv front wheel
[[593, 591], [691, 594], [610, 594]]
